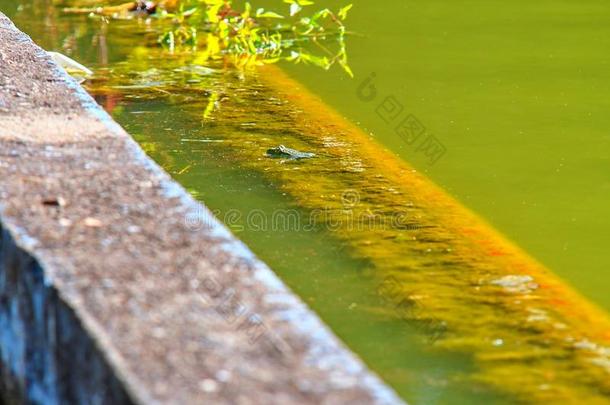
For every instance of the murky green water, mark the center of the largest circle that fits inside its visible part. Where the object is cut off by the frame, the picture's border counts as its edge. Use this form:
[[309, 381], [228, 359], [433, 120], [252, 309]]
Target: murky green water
[[312, 263], [450, 67], [517, 91]]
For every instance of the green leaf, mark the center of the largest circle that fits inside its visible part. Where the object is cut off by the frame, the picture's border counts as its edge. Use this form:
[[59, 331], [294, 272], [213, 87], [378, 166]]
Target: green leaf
[[321, 14], [246, 14], [347, 69], [267, 14], [294, 9], [297, 5], [343, 12], [212, 13]]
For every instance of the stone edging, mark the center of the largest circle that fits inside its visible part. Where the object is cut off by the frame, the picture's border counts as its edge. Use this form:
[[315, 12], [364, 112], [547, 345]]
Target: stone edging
[[107, 297]]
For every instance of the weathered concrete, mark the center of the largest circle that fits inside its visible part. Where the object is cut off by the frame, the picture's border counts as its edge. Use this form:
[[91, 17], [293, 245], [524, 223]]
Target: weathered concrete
[[107, 297]]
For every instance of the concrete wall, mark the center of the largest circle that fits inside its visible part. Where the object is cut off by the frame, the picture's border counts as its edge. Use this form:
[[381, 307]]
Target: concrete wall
[[46, 355], [107, 297]]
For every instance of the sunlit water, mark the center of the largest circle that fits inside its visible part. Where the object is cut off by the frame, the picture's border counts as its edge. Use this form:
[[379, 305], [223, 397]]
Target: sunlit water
[[517, 92], [220, 159]]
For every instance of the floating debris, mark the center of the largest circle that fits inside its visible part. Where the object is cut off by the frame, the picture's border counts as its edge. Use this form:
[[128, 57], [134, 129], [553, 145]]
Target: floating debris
[[516, 283], [69, 65]]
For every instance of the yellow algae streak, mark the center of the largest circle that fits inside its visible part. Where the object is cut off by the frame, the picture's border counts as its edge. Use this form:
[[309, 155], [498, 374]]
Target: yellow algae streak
[[462, 285], [466, 287]]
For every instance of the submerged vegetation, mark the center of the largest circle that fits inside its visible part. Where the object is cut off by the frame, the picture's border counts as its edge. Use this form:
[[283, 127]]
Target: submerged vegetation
[[245, 36], [431, 266], [437, 267]]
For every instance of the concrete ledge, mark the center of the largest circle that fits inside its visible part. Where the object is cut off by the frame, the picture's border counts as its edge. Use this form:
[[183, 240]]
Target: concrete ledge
[[107, 297], [46, 354]]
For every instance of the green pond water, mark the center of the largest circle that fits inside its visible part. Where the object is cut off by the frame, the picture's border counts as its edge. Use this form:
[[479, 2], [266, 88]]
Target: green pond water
[[517, 92], [514, 91]]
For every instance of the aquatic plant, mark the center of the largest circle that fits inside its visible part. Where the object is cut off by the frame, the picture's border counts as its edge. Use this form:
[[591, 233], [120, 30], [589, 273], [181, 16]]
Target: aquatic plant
[[244, 35], [255, 35]]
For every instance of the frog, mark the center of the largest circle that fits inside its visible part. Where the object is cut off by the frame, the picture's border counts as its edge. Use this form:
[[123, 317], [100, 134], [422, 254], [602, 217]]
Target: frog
[[282, 151]]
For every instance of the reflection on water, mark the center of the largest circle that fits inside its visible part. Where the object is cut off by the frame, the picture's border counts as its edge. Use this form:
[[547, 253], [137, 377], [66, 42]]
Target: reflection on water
[[434, 301]]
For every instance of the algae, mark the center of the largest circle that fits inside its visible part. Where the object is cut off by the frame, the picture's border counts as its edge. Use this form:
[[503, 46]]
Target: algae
[[464, 287]]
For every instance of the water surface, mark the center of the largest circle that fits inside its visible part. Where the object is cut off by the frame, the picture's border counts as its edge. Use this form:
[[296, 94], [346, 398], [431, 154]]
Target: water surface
[[164, 102], [517, 91]]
